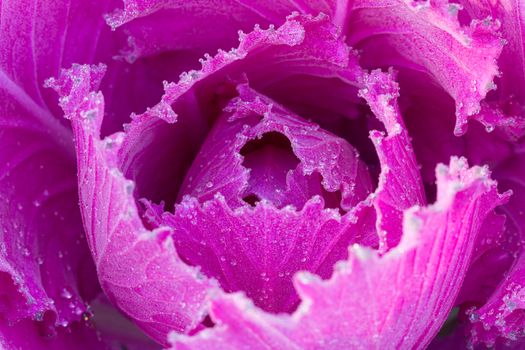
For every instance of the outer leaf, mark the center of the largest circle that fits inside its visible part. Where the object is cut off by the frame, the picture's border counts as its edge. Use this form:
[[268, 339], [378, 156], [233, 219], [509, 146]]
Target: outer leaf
[[41, 36], [500, 317], [43, 251], [504, 108], [107, 330], [257, 250], [44, 36], [512, 60], [47, 275], [396, 301], [138, 269], [31, 335], [427, 36], [400, 185], [502, 314], [41, 236], [203, 24]]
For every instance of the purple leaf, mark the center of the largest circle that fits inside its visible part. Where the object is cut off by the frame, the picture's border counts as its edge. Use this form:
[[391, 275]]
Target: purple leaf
[[427, 36], [373, 301], [138, 269]]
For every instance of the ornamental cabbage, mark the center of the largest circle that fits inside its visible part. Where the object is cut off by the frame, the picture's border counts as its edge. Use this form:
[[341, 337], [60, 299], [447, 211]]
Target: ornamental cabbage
[[262, 175]]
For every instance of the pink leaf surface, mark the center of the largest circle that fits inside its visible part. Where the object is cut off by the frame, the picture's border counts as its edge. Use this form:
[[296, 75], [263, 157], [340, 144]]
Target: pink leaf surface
[[373, 301], [138, 269], [428, 37]]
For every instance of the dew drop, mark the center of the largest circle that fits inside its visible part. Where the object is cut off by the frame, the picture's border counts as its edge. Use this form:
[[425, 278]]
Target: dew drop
[[130, 186], [66, 293], [86, 316], [511, 305], [473, 317]]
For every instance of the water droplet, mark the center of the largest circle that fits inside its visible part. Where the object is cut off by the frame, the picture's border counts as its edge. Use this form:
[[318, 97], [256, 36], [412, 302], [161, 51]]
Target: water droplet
[[86, 316], [89, 114], [511, 305], [474, 86], [130, 186], [264, 277], [66, 294]]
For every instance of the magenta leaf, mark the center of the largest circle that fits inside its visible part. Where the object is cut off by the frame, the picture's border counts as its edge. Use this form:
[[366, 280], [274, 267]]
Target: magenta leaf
[[223, 214], [234, 162], [43, 248], [499, 316], [512, 60], [212, 24], [138, 269], [371, 300], [30, 335], [257, 250], [43, 251], [400, 186], [193, 103], [428, 36]]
